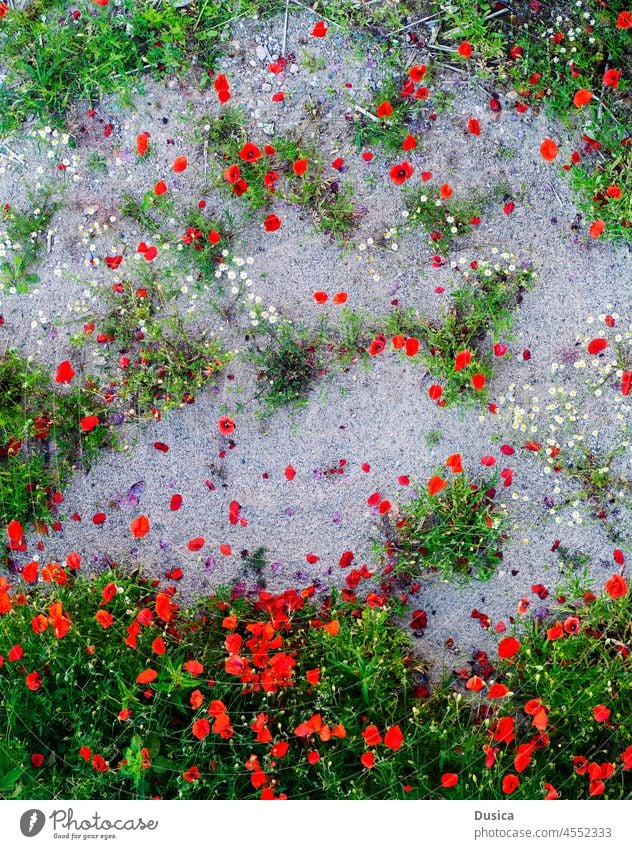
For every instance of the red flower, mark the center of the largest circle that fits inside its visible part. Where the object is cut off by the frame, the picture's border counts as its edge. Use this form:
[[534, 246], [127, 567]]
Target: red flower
[[65, 372], [597, 228], [449, 779], [582, 97], [271, 223], [400, 173], [160, 188], [192, 774], [372, 735], [180, 163], [37, 760], [510, 783], [368, 760], [508, 647], [394, 738], [462, 360], [33, 681], [146, 676], [319, 30], [250, 153], [384, 110], [142, 143], [436, 484], [225, 425], [624, 21], [465, 49], [201, 728], [616, 586], [104, 618], [99, 764], [194, 667], [555, 632], [139, 527], [611, 78], [596, 346], [601, 713], [299, 167], [409, 143], [446, 191], [474, 126], [548, 149]]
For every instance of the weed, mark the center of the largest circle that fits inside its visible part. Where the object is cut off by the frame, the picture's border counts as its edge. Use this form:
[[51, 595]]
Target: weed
[[456, 531], [41, 439], [443, 219], [24, 239], [156, 360], [288, 363]]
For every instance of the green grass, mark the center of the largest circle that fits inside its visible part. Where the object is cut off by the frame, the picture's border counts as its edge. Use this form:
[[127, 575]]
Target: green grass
[[52, 60], [443, 219], [41, 441], [326, 702], [289, 358], [479, 315], [156, 359], [270, 176], [457, 531], [25, 238]]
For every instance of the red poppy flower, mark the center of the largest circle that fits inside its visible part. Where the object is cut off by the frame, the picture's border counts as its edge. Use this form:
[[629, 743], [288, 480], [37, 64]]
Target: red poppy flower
[[272, 223], [371, 735], [436, 484], [465, 49], [194, 667], [508, 647], [368, 760], [611, 78], [158, 646], [474, 126], [65, 372], [160, 188], [435, 392], [384, 110], [596, 346], [104, 618], [88, 423], [601, 713], [597, 228], [478, 381], [180, 163], [409, 143], [250, 153], [37, 759], [511, 782], [616, 586], [340, 298], [394, 738], [299, 167], [626, 382], [400, 173], [449, 779], [142, 143], [146, 676], [33, 681], [624, 20], [201, 728], [446, 191], [192, 774], [225, 425], [548, 150], [320, 29], [113, 262], [140, 527], [462, 360], [582, 97]]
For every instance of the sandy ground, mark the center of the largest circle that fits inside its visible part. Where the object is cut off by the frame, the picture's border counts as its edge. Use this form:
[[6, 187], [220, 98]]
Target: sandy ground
[[380, 415]]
